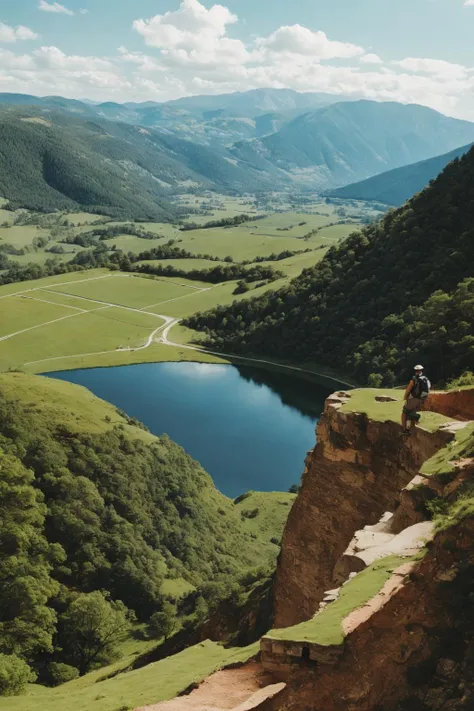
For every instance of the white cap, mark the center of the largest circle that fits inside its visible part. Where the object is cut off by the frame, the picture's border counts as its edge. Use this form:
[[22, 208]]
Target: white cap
[[419, 367]]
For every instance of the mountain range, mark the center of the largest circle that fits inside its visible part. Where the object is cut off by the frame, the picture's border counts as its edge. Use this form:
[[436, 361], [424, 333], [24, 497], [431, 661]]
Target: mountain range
[[54, 161], [395, 187], [129, 159], [331, 146]]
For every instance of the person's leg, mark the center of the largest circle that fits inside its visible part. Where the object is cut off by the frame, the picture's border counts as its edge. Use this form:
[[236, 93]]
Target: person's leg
[[404, 419]]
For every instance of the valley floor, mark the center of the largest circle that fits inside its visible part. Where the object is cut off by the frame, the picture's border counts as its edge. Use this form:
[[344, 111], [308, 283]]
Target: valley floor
[[100, 318]]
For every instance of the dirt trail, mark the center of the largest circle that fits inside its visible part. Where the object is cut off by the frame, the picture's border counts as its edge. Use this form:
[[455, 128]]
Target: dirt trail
[[238, 689]]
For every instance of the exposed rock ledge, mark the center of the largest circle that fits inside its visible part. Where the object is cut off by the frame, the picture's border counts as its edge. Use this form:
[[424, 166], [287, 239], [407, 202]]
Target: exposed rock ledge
[[353, 476]]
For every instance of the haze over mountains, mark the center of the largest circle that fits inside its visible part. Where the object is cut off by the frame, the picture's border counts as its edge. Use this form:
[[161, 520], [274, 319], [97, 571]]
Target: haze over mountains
[[128, 159], [395, 187]]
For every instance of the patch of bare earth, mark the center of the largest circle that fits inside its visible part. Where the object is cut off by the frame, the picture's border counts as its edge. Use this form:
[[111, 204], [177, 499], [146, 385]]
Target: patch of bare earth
[[37, 119], [240, 689]]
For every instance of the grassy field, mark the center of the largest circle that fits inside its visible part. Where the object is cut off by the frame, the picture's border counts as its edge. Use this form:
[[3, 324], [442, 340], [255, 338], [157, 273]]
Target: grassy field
[[86, 319], [124, 290], [325, 628], [268, 510], [64, 321], [156, 682], [255, 238], [364, 401]]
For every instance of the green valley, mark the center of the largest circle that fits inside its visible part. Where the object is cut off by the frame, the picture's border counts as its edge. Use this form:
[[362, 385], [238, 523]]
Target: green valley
[[97, 503], [86, 314]]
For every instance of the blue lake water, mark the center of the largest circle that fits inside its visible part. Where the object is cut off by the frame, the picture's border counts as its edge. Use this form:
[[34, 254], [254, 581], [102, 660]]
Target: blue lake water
[[249, 428]]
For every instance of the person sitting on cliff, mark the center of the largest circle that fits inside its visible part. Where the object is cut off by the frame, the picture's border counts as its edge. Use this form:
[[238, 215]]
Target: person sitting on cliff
[[415, 396]]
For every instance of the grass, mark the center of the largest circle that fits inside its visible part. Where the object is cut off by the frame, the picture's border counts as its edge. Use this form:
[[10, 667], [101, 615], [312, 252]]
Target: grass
[[82, 218], [101, 333], [443, 462], [56, 297], [154, 683], [125, 291], [363, 401], [176, 588], [326, 627], [24, 286], [22, 235], [23, 312], [238, 243], [273, 509], [63, 403], [156, 353], [77, 333]]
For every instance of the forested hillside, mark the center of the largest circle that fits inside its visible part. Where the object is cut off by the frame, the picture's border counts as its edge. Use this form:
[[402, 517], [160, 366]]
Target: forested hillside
[[51, 161], [91, 502], [400, 291], [397, 186]]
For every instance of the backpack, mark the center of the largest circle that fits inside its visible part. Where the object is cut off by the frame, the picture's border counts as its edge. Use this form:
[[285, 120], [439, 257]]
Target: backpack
[[421, 388]]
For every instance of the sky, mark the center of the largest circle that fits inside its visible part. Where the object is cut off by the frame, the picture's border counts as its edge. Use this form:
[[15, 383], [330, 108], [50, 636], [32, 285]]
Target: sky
[[412, 51]]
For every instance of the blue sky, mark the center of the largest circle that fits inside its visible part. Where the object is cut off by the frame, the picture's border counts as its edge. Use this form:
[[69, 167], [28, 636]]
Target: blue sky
[[406, 50]]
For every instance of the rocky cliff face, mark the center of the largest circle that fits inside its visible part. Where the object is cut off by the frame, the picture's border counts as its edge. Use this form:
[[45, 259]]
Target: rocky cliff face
[[413, 653], [355, 474], [408, 645]]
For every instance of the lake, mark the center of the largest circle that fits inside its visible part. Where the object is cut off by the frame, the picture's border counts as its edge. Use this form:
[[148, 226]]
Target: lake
[[249, 428]]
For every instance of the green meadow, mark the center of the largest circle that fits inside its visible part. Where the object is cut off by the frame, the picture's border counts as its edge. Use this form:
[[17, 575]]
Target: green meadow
[[98, 317], [154, 683]]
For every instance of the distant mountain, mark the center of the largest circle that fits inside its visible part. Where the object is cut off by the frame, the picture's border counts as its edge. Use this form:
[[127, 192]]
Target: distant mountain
[[217, 120], [396, 186], [256, 140], [50, 160], [346, 142], [258, 101]]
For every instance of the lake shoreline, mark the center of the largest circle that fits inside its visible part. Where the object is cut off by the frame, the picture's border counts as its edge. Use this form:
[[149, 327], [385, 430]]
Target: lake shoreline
[[248, 427]]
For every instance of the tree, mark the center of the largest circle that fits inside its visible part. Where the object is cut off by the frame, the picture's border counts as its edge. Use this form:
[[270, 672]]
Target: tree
[[26, 623], [15, 674], [201, 611], [163, 624], [92, 628]]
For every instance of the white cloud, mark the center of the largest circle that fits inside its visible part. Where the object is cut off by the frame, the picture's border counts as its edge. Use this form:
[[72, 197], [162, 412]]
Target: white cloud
[[83, 11], [468, 3], [12, 34], [300, 40], [193, 35], [370, 59], [190, 51], [434, 67], [54, 7]]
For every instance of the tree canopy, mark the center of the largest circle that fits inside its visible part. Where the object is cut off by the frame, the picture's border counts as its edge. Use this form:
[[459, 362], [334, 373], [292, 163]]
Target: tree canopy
[[398, 291]]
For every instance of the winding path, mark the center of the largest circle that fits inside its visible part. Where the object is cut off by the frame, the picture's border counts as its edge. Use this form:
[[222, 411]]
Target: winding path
[[164, 328]]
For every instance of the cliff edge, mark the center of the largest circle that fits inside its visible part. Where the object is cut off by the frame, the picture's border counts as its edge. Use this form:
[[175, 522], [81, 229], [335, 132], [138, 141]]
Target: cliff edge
[[376, 574]]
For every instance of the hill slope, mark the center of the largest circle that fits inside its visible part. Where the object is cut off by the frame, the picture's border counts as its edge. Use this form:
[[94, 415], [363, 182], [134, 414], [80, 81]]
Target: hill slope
[[397, 186], [349, 141], [52, 161], [399, 291], [104, 506]]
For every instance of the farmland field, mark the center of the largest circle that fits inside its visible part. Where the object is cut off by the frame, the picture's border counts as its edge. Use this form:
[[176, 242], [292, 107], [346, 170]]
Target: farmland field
[[102, 317]]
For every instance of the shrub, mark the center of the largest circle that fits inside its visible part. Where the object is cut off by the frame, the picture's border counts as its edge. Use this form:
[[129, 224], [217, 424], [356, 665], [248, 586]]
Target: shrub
[[249, 514], [15, 675], [61, 673], [242, 497], [467, 378]]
